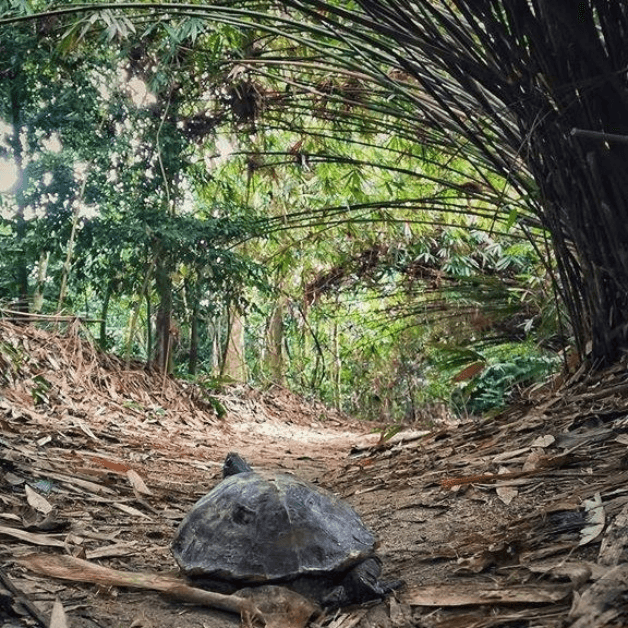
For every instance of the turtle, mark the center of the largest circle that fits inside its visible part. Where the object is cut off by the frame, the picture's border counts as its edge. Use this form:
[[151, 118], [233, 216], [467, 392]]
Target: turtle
[[258, 528]]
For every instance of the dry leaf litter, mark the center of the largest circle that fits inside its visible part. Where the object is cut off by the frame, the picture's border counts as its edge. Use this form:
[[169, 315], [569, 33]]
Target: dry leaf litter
[[520, 520]]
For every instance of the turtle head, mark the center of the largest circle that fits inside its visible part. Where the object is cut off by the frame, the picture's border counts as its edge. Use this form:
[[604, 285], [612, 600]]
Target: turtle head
[[235, 463]]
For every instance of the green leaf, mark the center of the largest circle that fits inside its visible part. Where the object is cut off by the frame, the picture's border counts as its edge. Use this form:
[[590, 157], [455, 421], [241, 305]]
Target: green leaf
[[512, 218]]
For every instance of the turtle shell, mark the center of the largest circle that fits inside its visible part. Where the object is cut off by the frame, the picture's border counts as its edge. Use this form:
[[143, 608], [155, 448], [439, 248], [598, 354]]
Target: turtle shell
[[258, 527]]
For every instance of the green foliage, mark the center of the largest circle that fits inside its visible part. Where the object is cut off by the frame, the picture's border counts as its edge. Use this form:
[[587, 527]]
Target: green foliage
[[508, 369], [250, 161], [39, 390], [49, 109], [11, 361]]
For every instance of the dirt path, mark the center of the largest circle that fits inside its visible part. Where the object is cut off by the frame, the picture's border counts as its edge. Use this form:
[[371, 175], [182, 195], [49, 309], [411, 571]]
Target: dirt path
[[119, 476], [515, 521], [110, 517]]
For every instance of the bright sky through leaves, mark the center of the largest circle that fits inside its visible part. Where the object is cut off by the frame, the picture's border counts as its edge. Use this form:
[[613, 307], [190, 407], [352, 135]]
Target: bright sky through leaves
[[8, 175]]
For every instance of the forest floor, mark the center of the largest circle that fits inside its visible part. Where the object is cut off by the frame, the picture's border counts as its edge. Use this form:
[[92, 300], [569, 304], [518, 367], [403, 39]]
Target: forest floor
[[518, 520]]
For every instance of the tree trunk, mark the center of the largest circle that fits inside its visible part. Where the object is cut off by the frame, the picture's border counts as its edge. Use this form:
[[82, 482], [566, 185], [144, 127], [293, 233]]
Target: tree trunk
[[274, 344], [193, 358], [234, 363], [213, 331], [15, 140], [336, 367], [149, 324], [144, 292], [104, 311], [192, 290], [42, 271], [67, 265], [163, 319]]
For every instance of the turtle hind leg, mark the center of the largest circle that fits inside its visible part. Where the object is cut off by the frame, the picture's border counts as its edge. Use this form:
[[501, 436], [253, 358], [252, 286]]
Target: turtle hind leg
[[391, 585], [360, 585]]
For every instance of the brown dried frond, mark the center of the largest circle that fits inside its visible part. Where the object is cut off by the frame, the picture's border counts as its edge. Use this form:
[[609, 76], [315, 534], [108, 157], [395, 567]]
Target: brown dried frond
[[254, 162], [200, 125], [354, 269], [247, 100]]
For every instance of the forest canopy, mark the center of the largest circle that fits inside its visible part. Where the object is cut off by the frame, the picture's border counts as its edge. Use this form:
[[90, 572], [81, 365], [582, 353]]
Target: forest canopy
[[387, 205]]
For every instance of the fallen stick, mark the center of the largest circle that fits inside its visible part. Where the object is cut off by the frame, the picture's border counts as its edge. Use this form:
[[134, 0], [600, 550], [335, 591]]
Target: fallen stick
[[23, 600], [79, 570]]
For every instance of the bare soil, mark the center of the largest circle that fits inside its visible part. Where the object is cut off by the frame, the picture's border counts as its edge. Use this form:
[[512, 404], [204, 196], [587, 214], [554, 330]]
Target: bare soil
[[518, 520]]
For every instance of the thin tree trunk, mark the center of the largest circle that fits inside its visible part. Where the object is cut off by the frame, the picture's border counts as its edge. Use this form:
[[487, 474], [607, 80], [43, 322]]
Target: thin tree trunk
[[136, 309], [67, 265], [192, 290], [42, 271], [163, 319], [274, 343], [212, 331], [149, 325], [104, 311], [234, 364], [337, 366], [194, 337], [21, 268]]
